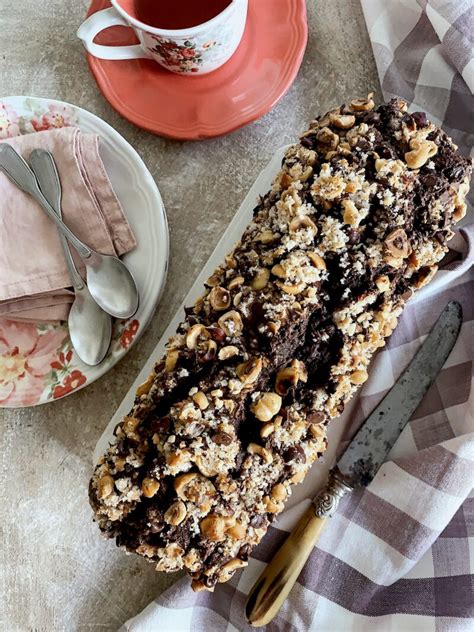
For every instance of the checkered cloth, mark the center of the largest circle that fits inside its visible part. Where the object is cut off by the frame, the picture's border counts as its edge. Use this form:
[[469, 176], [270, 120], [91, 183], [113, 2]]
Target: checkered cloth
[[424, 53], [396, 556]]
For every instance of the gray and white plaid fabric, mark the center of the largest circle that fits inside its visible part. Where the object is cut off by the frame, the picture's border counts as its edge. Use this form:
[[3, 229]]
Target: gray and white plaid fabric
[[397, 556], [424, 53]]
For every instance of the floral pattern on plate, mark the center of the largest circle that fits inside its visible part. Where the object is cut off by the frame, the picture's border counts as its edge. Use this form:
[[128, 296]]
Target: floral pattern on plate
[[37, 361]]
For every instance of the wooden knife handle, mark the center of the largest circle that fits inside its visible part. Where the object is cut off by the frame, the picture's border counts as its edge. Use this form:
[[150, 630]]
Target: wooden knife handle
[[275, 583]]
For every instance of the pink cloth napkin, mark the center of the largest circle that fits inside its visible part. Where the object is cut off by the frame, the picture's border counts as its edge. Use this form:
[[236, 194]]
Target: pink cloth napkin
[[34, 281]]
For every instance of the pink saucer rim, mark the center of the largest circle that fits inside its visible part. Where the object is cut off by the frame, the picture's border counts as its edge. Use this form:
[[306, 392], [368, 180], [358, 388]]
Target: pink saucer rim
[[291, 64]]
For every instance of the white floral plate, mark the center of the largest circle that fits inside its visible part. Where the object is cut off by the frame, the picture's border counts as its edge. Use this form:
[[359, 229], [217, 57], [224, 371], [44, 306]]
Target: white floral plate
[[37, 361]]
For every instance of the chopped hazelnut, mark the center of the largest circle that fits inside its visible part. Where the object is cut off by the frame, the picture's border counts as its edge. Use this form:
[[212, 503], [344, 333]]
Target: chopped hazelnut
[[394, 262], [129, 426], [266, 455], [359, 377], [267, 406], [397, 244], [260, 279], [194, 333], [327, 138], [231, 323], [249, 371], [228, 352], [235, 282], [237, 532], [289, 376], [182, 482], [353, 185], [144, 388], [279, 271], [420, 153], [120, 464], [325, 120], [147, 550], [425, 275], [382, 282], [279, 492], [201, 400], [214, 279], [196, 488], [176, 513], [317, 431], [178, 460], [363, 105], [292, 289], [342, 121], [303, 223], [266, 237], [351, 215], [208, 350], [149, 487], [229, 569], [237, 299], [171, 360], [205, 467], [105, 487], [307, 173], [271, 505], [267, 430], [213, 527], [230, 261], [316, 260], [219, 298], [273, 327]]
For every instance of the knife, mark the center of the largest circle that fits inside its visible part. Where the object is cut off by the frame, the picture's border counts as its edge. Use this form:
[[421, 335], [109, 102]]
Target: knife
[[357, 466]]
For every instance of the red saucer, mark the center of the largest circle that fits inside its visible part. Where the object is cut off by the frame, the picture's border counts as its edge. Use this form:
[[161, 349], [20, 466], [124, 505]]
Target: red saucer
[[190, 108]]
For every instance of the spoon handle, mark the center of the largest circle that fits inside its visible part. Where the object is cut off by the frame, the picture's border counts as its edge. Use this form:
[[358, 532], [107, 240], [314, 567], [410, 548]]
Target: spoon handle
[[19, 172], [44, 168]]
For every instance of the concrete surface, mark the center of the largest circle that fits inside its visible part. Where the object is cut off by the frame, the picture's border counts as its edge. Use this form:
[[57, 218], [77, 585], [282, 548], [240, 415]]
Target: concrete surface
[[57, 573]]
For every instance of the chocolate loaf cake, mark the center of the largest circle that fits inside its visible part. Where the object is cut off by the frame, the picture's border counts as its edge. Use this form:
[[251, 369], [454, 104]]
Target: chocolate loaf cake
[[236, 413]]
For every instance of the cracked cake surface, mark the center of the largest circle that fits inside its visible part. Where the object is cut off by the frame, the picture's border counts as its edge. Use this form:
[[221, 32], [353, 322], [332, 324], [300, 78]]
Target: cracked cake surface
[[236, 412]]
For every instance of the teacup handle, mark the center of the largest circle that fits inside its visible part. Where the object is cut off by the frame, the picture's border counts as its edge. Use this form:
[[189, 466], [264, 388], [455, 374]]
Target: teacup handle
[[96, 23]]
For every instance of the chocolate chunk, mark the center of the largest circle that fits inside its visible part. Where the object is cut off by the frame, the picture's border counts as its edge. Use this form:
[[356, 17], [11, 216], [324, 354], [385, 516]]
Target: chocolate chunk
[[420, 119], [294, 455], [217, 333], [181, 534], [222, 438], [371, 118], [162, 425]]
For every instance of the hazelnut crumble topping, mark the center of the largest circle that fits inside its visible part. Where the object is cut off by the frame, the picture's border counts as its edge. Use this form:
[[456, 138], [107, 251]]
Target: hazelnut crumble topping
[[236, 412]]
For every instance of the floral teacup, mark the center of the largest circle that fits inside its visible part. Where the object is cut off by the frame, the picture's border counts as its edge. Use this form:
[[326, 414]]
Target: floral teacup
[[197, 50]]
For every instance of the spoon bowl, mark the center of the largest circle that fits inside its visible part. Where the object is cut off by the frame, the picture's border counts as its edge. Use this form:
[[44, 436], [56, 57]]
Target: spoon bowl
[[90, 328], [112, 286]]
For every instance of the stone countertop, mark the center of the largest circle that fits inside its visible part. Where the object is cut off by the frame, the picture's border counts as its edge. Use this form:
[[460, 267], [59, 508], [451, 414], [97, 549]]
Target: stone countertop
[[57, 572]]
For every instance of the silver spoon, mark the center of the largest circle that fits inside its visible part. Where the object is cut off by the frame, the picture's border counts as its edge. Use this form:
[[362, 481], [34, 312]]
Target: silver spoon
[[110, 281], [90, 328]]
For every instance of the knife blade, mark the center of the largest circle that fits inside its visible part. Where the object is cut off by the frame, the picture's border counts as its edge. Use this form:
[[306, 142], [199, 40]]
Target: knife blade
[[370, 446], [357, 466]]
